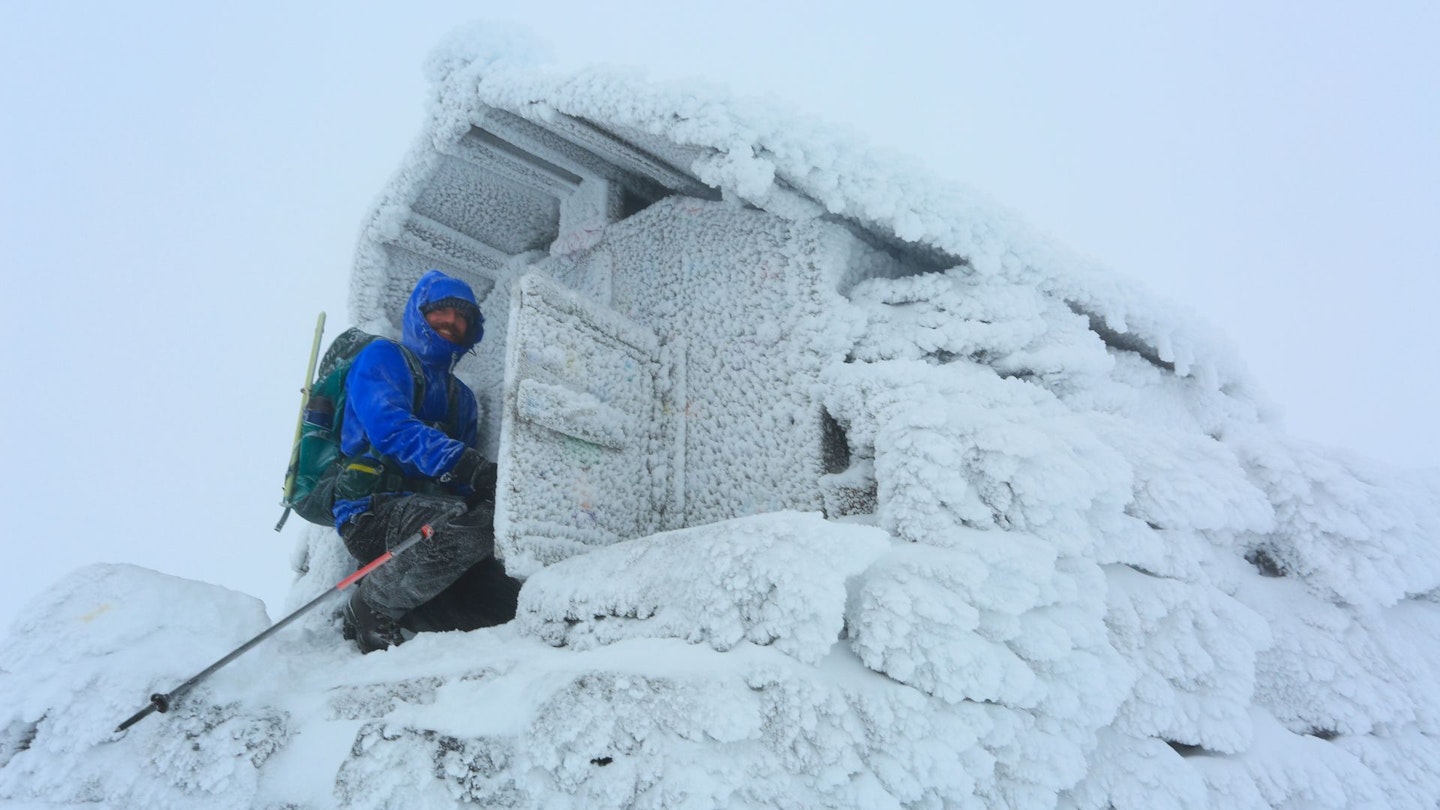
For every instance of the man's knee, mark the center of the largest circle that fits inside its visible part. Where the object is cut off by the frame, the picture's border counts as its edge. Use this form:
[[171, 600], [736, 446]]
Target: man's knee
[[364, 537]]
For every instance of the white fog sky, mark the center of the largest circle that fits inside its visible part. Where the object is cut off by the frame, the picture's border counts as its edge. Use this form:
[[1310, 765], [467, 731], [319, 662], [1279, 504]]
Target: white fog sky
[[181, 186]]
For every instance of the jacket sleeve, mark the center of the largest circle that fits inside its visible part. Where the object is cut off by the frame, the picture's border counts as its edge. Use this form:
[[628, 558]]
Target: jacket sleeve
[[379, 393]]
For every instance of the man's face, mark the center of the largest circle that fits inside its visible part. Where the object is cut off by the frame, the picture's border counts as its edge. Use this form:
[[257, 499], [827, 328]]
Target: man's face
[[448, 323]]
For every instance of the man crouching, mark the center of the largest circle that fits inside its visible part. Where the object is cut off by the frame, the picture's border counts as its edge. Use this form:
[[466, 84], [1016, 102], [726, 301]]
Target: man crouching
[[409, 442]]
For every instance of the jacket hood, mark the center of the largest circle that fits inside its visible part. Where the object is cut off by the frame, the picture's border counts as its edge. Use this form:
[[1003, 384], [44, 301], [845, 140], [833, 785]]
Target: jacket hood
[[417, 335]]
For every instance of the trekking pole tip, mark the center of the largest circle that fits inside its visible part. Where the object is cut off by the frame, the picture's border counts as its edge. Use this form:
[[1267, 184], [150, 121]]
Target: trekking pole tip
[[134, 718]]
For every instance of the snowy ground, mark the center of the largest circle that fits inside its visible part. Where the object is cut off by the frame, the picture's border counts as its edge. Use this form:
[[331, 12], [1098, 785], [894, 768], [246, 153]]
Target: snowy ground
[[781, 660]]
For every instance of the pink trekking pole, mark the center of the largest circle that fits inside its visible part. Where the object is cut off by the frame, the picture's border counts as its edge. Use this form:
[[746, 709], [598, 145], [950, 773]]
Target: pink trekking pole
[[162, 701]]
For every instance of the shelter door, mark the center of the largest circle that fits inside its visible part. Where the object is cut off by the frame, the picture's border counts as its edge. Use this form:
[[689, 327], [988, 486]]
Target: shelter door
[[589, 445]]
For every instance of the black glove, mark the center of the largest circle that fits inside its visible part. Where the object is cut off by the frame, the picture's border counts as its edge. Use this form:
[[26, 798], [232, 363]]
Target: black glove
[[475, 470]]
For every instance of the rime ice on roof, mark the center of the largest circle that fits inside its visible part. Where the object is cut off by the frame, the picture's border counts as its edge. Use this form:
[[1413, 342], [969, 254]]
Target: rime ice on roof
[[834, 487]]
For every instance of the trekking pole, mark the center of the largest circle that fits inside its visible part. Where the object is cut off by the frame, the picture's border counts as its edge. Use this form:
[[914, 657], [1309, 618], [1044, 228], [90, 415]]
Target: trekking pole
[[294, 467], [162, 701]]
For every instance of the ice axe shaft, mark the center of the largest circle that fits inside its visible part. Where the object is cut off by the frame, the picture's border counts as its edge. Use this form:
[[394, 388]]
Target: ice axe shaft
[[162, 701], [300, 422]]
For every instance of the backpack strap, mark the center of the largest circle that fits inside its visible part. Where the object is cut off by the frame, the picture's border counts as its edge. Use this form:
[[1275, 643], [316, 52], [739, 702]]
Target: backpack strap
[[417, 376], [392, 479], [452, 393], [417, 383], [452, 409]]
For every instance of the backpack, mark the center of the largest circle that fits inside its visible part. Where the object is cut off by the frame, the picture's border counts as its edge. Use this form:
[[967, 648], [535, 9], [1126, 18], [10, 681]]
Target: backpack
[[317, 466]]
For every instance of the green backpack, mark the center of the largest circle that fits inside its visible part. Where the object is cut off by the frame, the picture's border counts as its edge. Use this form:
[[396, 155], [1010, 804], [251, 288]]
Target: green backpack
[[318, 470]]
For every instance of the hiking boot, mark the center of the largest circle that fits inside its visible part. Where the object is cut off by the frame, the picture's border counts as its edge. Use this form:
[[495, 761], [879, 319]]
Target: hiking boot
[[370, 630]]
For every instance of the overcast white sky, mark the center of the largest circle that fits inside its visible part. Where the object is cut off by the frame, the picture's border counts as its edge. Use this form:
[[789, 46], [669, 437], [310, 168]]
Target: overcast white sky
[[181, 186]]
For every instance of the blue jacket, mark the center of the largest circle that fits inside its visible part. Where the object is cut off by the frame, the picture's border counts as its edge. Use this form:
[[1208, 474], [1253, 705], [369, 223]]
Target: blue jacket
[[379, 396]]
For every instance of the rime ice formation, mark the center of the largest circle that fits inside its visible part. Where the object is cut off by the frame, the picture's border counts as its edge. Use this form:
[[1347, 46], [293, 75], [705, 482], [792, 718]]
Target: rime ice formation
[[832, 488]]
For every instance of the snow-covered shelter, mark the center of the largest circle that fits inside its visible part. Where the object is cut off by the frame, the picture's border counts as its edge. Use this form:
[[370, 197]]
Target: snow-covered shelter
[[657, 332], [667, 289], [832, 487]]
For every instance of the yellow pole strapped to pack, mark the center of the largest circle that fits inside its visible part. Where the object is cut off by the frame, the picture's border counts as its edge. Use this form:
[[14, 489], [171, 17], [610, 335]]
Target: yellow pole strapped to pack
[[300, 421]]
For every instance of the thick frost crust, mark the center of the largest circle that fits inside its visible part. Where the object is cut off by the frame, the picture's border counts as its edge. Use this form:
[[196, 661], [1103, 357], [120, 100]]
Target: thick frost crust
[[720, 585], [764, 156]]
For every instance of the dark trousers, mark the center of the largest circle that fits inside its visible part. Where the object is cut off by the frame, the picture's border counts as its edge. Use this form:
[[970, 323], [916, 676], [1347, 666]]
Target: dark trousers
[[450, 581]]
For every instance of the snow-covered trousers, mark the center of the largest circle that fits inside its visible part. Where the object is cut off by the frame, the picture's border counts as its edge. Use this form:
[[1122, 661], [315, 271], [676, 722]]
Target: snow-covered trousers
[[451, 581]]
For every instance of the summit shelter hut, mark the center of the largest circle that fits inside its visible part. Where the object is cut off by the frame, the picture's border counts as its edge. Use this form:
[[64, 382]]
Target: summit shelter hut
[[754, 387], [655, 337]]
